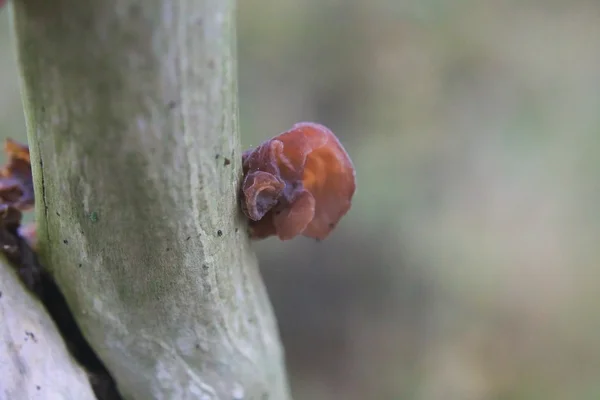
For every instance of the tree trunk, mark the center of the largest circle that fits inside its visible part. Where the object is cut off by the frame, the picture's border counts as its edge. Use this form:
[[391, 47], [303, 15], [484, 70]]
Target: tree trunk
[[131, 109]]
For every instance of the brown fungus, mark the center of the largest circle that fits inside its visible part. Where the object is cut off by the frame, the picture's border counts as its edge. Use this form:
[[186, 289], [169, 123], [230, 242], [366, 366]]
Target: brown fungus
[[300, 182]]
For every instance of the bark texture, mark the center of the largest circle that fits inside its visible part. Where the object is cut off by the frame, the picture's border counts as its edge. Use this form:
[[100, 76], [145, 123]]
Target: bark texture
[[131, 107], [34, 360]]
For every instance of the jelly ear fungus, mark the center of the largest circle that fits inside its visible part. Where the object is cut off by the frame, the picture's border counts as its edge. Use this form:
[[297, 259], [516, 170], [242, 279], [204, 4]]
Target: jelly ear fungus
[[300, 182]]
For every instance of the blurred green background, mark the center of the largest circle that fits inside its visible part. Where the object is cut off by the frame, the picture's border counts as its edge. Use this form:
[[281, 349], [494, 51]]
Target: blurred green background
[[467, 268]]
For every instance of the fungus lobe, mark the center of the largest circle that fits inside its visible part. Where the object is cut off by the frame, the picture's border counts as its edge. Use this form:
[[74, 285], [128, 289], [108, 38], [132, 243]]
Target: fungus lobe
[[16, 183], [300, 182]]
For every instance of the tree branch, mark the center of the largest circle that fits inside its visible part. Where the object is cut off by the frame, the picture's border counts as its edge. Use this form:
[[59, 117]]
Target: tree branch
[[131, 107], [35, 361]]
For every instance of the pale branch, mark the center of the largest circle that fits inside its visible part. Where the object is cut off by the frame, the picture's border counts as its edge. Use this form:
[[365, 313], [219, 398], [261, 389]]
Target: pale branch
[[131, 110], [35, 362]]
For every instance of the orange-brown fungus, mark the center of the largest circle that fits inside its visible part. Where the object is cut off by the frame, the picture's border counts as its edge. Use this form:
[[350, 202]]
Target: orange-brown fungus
[[16, 183], [299, 182]]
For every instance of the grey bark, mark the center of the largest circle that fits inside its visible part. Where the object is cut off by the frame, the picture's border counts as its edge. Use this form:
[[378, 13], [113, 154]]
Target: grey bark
[[131, 109], [34, 362]]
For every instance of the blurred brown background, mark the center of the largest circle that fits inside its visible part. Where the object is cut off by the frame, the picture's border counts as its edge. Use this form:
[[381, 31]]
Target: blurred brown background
[[467, 268]]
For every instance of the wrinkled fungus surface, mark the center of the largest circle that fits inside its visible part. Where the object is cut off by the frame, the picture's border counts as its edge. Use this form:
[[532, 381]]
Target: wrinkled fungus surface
[[16, 183], [300, 182]]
